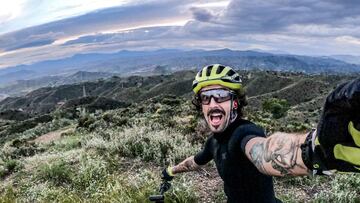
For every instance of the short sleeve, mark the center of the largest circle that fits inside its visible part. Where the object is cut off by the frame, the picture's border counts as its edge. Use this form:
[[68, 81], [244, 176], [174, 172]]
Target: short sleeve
[[246, 132], [205, 155]]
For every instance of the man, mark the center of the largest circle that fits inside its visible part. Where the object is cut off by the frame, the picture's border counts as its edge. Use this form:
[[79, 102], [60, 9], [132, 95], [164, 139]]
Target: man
[[246, 159]]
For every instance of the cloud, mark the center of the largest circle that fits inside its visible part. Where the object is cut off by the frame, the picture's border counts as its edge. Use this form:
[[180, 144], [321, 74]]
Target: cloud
[[309, 27], [28, 13], [91, 23], [201, 14]]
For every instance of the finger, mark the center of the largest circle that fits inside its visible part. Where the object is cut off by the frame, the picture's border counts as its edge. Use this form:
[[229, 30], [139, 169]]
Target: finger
[[348, 154], [354, 133]]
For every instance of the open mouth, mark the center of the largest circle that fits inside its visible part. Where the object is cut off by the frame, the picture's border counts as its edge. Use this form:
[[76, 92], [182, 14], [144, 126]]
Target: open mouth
[[216, 117]]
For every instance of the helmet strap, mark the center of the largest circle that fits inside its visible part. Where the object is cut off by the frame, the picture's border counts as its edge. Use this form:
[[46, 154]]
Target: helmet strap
[[233, 111]]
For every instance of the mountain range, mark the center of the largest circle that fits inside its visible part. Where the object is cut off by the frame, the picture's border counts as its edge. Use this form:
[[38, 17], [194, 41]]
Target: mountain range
[[128, 63]]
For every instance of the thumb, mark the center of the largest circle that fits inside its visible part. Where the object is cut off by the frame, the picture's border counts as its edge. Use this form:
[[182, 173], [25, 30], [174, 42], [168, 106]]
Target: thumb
[[355, 134], [348, 154]]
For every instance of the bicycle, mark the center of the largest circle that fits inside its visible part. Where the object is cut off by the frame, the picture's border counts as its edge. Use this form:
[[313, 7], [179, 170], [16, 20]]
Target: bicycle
[[164, 186]]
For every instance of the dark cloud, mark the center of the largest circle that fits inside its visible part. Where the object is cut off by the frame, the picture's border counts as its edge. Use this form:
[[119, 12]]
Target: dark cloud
[[302, 27], [277, 15], [201, 14], [116, 17]]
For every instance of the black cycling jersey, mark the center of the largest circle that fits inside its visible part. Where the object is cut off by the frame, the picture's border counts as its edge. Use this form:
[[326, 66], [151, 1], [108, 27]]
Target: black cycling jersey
[[242, 180]]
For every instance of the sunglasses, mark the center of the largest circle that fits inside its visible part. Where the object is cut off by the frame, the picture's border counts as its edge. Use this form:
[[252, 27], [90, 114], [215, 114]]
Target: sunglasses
[[219, 95]]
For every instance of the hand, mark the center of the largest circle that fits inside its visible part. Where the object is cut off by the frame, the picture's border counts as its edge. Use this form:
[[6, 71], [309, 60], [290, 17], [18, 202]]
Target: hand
[[350, 153], [167, 174], [338, 145]]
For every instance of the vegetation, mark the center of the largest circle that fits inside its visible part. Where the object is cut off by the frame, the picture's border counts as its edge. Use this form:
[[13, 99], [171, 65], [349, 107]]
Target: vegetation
[[277, 107], [117, 155]]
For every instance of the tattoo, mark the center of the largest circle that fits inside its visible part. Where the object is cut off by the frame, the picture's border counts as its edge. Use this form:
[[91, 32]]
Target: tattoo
[[186, 165], [279, 153], [256, 153]]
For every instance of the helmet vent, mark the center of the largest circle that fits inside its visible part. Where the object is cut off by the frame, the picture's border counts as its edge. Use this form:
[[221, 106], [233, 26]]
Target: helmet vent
[[208, 70], [220, 69], [231, 73], [237, 78]]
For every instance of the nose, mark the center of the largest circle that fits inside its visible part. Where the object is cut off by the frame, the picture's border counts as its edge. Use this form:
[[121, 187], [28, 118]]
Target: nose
[[212, 102]]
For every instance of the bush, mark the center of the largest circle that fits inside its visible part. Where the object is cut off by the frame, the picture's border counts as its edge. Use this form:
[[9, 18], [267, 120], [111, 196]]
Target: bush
[[8, 195], [67, 143], [9, 166], [85, 121], [278, 107], [149, 143], [92, 173], [58, 172]]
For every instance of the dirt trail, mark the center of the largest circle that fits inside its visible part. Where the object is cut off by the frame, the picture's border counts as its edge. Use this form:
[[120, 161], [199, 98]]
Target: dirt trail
[[52, 136]]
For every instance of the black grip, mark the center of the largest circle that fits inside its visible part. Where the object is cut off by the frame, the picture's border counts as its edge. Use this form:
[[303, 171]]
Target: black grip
[[156, 198]]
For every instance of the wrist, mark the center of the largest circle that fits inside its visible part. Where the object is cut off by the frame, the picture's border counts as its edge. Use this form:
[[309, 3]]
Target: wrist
[[312, 155], [307, 150], [170, 171]]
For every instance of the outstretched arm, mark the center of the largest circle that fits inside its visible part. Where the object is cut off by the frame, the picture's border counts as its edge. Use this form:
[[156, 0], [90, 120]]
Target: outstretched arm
[[278, 154], [187, 165]]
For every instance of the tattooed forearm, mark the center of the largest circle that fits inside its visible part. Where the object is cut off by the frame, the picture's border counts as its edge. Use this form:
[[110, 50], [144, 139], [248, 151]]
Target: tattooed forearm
[[186, 165], [279, 154]]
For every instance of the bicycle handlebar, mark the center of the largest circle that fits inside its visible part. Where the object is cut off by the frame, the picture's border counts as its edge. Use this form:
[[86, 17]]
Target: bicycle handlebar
[[165, 186]]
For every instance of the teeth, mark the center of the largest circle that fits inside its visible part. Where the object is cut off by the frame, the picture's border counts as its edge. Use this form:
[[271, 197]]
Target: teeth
[[213, 116]]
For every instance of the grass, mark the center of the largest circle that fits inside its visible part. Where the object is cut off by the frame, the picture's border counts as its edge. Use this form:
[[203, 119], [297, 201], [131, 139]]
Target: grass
[[9, 166], [65, 143], [92, 179], [145, 142], [58, 172], [117, 157]]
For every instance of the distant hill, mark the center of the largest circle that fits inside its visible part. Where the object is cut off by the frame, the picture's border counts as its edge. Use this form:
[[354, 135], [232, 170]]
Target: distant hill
[[347, 58], [296, 88], [147, 62], [16, 75], [21, 87], [130, 89]]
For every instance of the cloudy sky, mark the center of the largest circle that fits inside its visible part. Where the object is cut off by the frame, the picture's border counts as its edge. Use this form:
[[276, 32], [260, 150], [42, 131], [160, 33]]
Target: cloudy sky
[[36, 30]]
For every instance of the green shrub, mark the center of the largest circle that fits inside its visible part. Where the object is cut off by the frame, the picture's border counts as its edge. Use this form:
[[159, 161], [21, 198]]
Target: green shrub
[[67, 143], [8, 195], [58, 172], [85, 121], [150, 143], [92, 173], [9, 166], [278, 107]]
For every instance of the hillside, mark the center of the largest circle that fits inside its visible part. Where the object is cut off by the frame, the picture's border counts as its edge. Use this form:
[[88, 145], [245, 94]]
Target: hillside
[[111, 145], [296, 88], [21, 87]]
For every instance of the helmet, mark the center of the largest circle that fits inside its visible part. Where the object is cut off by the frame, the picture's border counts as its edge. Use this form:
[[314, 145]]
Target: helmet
[[217, 74]]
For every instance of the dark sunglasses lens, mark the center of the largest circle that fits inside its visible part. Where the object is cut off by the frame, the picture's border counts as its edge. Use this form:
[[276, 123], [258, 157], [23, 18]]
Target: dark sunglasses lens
[[219, 95], [223, 98], [205, 99]]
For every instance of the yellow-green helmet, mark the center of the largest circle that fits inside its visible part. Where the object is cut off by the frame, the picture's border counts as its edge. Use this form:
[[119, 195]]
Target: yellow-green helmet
[[217, 74]]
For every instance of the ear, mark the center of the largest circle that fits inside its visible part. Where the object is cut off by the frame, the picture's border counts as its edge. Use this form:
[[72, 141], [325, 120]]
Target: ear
[[235, 104]]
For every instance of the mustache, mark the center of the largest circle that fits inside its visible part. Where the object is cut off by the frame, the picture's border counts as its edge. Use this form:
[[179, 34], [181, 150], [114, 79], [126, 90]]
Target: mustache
[[216, 110]]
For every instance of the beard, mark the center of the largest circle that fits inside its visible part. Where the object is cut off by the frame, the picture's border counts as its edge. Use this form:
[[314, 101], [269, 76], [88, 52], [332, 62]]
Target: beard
[[217, 119]]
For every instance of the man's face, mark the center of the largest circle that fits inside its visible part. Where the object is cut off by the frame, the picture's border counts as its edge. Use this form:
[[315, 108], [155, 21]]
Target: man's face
[[217, 115]]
